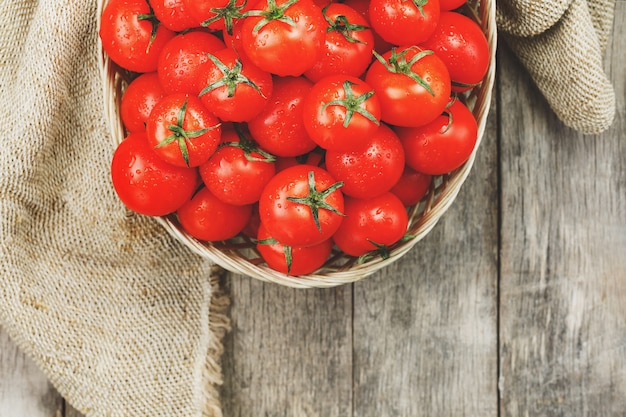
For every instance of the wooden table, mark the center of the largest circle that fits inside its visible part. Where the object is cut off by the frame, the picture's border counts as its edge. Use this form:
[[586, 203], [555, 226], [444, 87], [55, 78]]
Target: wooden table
[[514, 305]]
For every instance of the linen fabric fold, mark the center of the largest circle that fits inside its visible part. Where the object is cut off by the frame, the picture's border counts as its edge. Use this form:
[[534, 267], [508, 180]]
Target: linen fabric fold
[[122, 318], [561, 44]]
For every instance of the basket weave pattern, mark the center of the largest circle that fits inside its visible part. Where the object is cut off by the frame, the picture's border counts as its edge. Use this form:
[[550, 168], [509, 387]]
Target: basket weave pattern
[[239, 256]]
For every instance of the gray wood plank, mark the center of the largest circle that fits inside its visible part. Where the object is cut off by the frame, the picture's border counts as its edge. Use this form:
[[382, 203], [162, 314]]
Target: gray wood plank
[[289, 353], [24, 389], [563, 274], [425, 329]]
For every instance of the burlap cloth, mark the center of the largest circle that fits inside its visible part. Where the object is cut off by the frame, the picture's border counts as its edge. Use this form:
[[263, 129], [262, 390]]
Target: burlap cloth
[[561, 44], [123, 319]]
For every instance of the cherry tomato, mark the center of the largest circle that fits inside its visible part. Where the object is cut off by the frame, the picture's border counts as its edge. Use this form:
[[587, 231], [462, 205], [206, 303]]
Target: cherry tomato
[[132, 36], [138, 99], [404, 22], [234, 89], [371, 170], [412, 84], [463, 47], [145, 183], [217, 15], [182, 131], [442, 145], [284, 37], [173, 14], [233, 40], [208, 218], [412, 186], [362, 6], [446, 5], [181, 59], [348, 46], [290, 260], [371, 224], [301, 206], [239, 170], [278, 128], [341, 113]]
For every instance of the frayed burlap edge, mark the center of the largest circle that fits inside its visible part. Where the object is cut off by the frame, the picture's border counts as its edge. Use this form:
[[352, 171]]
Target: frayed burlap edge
[[219, 325]]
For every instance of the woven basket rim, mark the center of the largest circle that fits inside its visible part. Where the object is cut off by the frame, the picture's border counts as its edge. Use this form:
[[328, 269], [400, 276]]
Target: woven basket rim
[[423, 219]]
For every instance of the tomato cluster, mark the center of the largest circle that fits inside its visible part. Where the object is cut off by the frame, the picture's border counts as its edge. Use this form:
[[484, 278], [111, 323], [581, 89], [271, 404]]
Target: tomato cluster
[[302, 124]]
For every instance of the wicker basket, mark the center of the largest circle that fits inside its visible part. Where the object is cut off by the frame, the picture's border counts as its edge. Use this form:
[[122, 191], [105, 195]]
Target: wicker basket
[[239, 255]]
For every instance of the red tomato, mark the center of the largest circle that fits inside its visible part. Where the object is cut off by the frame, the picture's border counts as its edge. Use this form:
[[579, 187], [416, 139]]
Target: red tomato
[[217, 14], [349, 44], [442, 145], [278, 128], [341, 113], [206, 217], [362, 6], [182, 131], [173, 14], [371, 224], [233, 40], [412, 186], [301, 206], [371, 170], [290, 260], [127, 35], [402, 22], [238, 171], [145, 183], [181, 59], [234, 89], [412, 85], [141, 95], [463, 47], [284, 37], [446, 5]]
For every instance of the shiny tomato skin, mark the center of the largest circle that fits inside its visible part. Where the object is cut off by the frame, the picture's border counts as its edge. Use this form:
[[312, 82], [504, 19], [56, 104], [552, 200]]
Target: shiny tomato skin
[[283, 49], [173, 14], [247, 101], [461, 44], [349, 53], [380, 220], [371, 170], [279, 128], [362, 6], [204, 13], [182, 58], [145, 183], [141, 95], [412, 186], [166, 113], [447, 5], [442, 145], [206, 217], [326, 124], [231, 176], [292, 223], [304, 260], [401, 22], [126, 39], [404, 101]]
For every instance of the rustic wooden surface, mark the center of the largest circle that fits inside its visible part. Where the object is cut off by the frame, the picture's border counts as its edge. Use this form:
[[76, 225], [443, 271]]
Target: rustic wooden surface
[[514, 305]]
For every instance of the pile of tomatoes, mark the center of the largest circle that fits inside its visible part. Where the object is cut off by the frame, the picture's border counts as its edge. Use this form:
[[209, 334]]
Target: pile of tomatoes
[[302, 124]]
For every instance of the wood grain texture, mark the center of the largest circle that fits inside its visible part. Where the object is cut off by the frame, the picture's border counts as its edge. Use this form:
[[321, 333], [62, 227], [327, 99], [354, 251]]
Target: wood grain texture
[[425, 329], [289, 353], [563, 266], [24, 389]]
